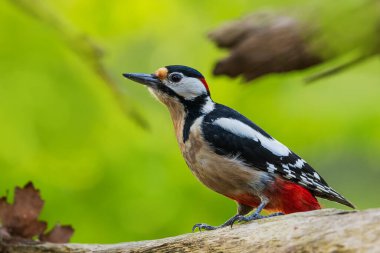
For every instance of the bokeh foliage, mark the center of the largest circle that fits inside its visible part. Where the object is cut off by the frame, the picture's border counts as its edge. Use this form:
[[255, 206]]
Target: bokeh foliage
[[113, 181]]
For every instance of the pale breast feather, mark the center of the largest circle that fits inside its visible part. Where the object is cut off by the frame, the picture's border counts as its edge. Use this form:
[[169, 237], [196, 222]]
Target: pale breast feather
[[232, 134]]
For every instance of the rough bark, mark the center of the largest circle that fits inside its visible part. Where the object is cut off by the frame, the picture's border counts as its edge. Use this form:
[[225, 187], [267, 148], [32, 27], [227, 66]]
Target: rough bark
[[327, 230]]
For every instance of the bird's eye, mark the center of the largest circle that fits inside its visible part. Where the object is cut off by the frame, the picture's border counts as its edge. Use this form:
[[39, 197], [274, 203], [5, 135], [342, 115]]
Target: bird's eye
[[175, 77]]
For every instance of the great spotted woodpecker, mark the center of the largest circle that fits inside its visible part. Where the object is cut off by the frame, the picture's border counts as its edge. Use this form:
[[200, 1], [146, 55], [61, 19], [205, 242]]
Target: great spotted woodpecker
[[230, 154]]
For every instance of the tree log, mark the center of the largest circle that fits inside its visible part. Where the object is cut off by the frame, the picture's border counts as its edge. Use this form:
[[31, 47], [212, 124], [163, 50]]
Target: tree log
[[326, 230]]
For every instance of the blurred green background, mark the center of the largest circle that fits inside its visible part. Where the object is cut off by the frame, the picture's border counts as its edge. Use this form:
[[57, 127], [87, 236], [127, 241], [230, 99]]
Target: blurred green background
[[62, 128]]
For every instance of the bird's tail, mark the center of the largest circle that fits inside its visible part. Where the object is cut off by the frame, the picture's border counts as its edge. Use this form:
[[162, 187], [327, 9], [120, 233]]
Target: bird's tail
[[335, 196]]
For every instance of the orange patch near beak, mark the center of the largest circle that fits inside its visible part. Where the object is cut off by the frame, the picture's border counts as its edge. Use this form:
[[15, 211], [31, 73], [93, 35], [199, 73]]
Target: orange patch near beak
[[161, 73]]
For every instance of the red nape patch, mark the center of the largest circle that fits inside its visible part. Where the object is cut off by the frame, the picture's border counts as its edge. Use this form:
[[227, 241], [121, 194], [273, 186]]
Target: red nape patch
[[288, 197], [205, 84]]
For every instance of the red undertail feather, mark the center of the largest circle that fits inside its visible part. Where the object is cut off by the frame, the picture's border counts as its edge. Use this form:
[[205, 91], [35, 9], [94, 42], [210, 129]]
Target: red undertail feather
[[289, 197], [285, 197]]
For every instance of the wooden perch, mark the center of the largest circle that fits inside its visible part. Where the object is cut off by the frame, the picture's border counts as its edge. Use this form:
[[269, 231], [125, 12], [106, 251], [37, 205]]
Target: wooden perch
[[326, 230]]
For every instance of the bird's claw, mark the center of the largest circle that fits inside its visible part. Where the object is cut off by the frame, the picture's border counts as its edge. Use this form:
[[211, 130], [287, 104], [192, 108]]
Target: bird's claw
[[242, 218], [203, 226], [274, 214], [232, 221], [237, 219], [255, 216]]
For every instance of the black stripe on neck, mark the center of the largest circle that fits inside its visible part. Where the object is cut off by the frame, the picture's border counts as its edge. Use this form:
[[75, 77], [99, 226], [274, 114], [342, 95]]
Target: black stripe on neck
[[193, 110]]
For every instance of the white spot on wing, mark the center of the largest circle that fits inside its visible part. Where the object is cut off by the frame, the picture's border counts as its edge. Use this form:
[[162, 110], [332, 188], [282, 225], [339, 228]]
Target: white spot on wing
[[289, 174], [302, 183], [299, 163], [239, 128], [321, 188], [317, 176], [306, 180], [271, 168]]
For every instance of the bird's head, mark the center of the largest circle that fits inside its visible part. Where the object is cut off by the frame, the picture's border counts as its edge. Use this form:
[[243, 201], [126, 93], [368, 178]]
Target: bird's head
[[175, 82]]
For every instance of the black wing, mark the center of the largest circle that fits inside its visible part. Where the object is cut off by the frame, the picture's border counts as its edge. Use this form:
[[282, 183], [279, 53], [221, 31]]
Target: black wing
[[232, 134]]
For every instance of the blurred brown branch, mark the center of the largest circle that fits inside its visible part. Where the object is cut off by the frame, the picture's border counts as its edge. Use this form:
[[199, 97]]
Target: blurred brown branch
[[79, 42], [262, 43], [336, 69], [273, 42]]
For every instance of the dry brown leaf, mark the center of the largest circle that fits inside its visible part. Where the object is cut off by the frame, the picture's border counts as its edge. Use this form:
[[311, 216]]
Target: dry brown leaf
[[59, 234], [20, 219]]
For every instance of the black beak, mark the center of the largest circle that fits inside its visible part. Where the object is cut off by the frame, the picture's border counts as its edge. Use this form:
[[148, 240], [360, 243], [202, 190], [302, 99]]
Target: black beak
[[150, 80]]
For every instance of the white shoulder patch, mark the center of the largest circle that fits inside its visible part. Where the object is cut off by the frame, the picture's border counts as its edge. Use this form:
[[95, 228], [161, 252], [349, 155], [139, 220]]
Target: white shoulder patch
[[243, 130]]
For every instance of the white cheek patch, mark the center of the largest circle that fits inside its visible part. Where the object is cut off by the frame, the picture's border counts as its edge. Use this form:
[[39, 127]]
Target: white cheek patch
[[188, 87]]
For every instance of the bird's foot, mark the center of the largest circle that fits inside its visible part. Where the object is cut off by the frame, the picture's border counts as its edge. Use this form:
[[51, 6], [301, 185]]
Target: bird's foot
[[235, 219], [254, 216], [203, 226], [274, 214]]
